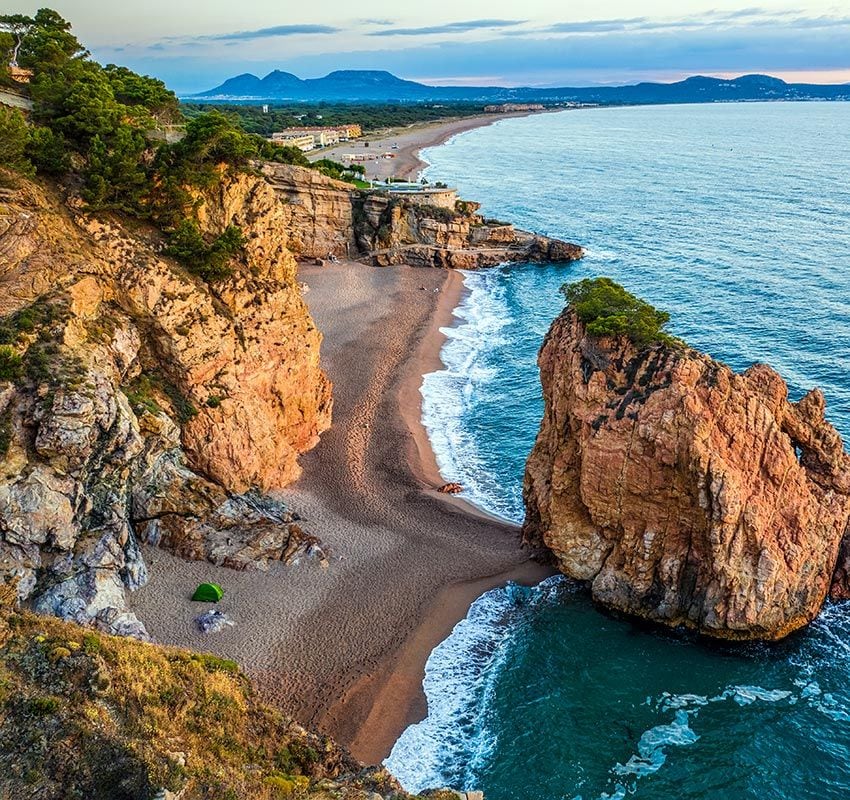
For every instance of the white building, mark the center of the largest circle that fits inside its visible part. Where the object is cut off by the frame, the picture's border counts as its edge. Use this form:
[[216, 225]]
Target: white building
[[303, 141]]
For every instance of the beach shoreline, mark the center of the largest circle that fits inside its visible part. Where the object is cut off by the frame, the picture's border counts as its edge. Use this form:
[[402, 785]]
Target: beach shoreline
[[343, 648], [405, 145]]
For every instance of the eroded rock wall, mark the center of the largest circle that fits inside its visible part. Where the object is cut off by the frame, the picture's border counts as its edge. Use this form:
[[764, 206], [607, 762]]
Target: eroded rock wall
[[147, 405], [326, 218], [685, 493], [394, 230]]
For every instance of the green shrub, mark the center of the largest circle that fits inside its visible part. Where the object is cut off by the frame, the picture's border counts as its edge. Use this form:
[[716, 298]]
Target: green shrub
[[114, 177], [283, 786], [607, 309], [11, 364], [141, 394], [48, 151], [43, 706], [212, 663], [210, 261]]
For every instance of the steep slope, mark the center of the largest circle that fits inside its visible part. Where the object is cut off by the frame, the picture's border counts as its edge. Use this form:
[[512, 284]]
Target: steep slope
[[683, 492], [137, 401], [87, 715]]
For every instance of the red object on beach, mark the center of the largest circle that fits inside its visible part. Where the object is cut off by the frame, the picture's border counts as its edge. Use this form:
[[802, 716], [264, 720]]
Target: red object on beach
[[450, 488]]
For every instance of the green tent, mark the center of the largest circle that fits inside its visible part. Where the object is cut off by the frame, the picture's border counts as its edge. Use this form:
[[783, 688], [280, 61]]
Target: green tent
[[208, 593]]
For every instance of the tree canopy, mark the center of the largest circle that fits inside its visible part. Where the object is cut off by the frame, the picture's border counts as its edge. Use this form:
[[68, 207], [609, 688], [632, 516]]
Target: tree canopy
[[13, 140], [607, 309], [94, 127]]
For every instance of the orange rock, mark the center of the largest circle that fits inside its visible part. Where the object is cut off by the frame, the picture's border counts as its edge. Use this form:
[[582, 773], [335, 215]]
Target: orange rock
[[683, 492], [450, 488]]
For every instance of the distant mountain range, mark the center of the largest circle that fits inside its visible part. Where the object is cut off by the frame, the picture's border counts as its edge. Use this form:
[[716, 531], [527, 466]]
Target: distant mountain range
[[360, 86]]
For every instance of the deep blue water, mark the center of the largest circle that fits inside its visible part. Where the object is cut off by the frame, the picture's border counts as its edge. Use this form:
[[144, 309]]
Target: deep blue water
[[736, 220]]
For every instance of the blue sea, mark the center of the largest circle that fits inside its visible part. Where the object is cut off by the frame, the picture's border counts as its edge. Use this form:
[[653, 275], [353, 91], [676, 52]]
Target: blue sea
[[736, 220]]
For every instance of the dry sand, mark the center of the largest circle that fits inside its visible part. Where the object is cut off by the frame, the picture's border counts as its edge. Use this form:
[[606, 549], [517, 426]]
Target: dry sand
[[405, 144], [343, 648]]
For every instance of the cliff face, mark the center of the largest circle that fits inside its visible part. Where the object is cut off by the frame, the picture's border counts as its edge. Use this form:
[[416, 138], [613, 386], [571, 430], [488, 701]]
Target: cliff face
[[146, 403], [684, 493], [326, 217], [397, 231], [318, 211]]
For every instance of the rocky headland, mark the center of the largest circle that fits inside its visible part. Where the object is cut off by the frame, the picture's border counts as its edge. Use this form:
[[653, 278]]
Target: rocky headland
[[682, 492], [327, 217]]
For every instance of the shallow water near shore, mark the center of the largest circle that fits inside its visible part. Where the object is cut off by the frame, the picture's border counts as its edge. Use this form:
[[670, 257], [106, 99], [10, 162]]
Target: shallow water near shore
[[735, 219]]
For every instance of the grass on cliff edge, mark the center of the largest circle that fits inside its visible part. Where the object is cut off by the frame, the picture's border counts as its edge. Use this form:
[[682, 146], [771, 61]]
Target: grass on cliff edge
[[85, 715], [607, 309]]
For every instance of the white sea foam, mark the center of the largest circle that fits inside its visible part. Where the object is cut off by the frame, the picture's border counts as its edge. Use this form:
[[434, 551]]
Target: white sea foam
[[451, 745], [449, 394], [436, 751]]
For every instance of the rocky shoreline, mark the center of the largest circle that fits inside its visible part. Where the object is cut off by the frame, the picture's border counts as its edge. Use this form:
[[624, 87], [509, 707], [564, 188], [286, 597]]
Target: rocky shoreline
[[326, 218], [684, 493]]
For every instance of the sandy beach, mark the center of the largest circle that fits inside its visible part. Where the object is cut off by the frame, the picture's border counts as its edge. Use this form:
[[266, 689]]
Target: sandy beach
[[406, 144], [343, 648]]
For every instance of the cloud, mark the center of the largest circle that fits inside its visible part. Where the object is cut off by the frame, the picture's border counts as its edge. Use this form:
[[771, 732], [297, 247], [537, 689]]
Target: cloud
[[612, 56], [451, 27], [592, 52], [719, 21], [596, 25], [268, 33]]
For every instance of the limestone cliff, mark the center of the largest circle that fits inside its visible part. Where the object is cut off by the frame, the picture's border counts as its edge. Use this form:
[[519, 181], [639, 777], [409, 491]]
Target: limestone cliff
[[683, 492], [319, 213], [327, 217], [139, 402]]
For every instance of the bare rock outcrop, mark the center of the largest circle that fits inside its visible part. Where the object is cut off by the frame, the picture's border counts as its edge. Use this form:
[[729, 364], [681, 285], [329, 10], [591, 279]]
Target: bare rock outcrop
[[327, 217], [140, 403], [319, 211], [685, 493], [396, 230]]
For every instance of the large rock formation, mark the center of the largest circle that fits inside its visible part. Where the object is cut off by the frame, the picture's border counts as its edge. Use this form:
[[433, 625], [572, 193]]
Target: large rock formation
[[147, 402], [326, 217], [398, 230], [319, 211], [683, 492]]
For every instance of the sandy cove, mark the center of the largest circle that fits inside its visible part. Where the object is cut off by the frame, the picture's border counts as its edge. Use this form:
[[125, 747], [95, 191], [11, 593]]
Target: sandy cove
[[409, 141], [344, 648]]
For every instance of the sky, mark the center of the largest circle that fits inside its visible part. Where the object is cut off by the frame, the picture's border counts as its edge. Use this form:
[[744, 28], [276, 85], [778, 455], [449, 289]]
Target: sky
[[195, 45]]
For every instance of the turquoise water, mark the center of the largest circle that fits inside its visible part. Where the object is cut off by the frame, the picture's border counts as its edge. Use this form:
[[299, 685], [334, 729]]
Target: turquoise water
[[736, 219]]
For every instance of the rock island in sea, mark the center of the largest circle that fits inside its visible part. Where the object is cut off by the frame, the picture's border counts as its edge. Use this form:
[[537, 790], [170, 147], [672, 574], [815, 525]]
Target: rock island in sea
[[684, 493]]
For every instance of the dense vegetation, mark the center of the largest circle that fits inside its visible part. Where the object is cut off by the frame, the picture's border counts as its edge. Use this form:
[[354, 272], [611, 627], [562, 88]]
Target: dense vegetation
[[371, 117], [102, 131], [607, 309], [83, 715]]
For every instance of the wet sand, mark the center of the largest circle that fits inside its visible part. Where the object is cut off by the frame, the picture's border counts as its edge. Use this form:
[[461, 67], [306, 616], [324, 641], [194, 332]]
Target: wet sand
[[343, 648], [405, 145]]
